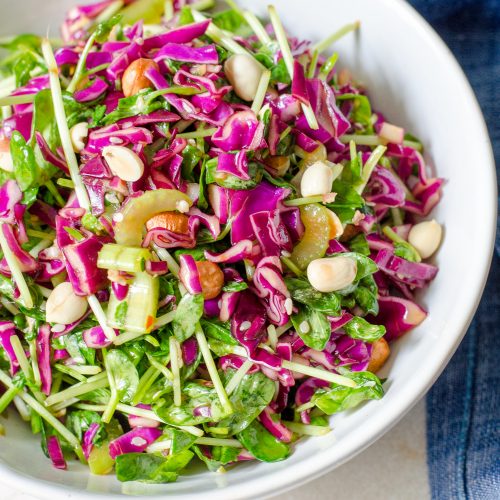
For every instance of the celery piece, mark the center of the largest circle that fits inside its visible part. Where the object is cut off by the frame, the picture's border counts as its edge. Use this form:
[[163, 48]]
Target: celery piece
[[137, 312], [128, 230], [121, 258]]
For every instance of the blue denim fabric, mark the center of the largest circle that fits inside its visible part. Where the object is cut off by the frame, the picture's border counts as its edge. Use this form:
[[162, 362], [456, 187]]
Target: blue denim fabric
[[463, 407]]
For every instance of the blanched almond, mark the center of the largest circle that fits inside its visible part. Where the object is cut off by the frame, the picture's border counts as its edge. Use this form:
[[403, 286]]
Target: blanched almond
[[380, 353], [64, 306], [177, 223], [331, 273], [426, 237], [134, 79], [243, 72], [211, 278], [317, 179], [123, 162], [78, 134], [336, 227]]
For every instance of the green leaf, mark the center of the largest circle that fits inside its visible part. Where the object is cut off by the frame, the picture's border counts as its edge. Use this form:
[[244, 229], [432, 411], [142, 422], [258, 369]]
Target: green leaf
[[365, 265], [366, 295], [202, 197], [301, 291], [138, 104], [362, 112], [77, 348], [359, 328], [124, 373], [194, 395], [279, 73], [231, 20], [215, 329], [191, 156], [185, 16], [26, 171], [319, 330], [181, 440], [188, 313], [149, 468], [235, 286], [347, 201], [406, 251], [231, 181], [251, 396], [103, 29], [340, 398], [262, 444], [359, 244], [79, 421]]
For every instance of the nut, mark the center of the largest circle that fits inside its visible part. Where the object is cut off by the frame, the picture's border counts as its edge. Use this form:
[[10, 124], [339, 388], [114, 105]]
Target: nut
[[317, 179], [5, 156], [336, 227], [244, 73], [332, 273], [123, 162], [211, 278], [171, 221], [64, 306], [380, 353], [426, 237], [78, 134], [134, 80]]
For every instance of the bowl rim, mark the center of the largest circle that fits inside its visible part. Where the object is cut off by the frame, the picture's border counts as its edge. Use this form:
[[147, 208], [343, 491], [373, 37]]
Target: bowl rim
[[384, 419]]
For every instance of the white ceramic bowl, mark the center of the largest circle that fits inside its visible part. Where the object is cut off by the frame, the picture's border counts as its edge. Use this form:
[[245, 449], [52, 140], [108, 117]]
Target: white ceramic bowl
[[414, 79]]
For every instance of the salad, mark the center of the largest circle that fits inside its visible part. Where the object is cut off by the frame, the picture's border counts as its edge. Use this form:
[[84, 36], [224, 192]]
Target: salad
[[208, 237]]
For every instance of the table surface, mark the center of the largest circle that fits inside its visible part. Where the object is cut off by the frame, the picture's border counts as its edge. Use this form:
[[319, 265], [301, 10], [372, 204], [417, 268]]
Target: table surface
[[392, 468]]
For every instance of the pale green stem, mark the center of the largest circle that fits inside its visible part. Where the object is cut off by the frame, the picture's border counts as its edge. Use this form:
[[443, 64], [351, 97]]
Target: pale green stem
[[207, 132], [238, 376], [212, 370], [24, 364], [15, 270], [257, 27], [318, 373], [218, 36], [55, 193], [324, 44], [91, 384], [368, 167], [12, 100], [307, 430], [62, 124], [174, 364], [162, 368], [47, 416], [261, 91]]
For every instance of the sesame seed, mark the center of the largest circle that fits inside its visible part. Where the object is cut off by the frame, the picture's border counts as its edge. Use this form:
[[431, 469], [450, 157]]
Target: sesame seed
[[245, 326], [118, 217], [304, 327], [289, 306], [182, 206], [115, 140], [138, 441], [57, 328], [284, 253]]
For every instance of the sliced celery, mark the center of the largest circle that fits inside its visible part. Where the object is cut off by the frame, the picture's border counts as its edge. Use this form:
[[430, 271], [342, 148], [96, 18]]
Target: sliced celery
[[128, 259], [137, 312], [128, 230]]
